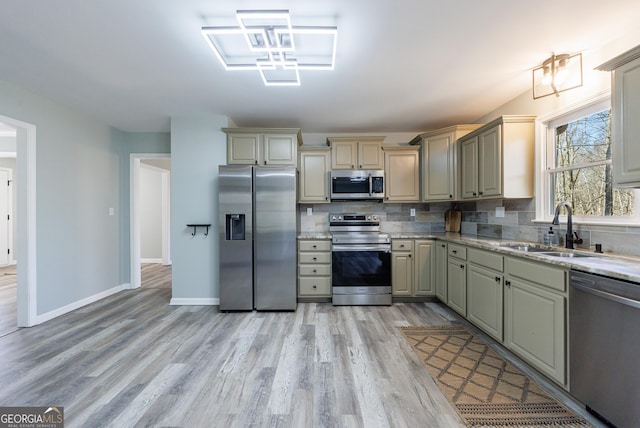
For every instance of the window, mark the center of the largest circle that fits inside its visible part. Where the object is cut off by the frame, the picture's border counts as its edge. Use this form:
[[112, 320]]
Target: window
[[578, 169]]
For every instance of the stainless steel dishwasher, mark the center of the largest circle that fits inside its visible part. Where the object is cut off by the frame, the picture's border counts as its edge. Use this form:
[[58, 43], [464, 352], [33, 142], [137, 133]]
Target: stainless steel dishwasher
[[604, 347]]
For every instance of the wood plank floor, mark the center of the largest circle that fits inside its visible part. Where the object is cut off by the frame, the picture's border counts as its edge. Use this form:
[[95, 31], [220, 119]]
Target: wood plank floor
[[133, 360], [155, 275]]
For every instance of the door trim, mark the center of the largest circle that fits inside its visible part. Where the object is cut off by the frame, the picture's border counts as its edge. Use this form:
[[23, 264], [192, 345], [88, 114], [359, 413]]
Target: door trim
[[134, 215], [26, 211]]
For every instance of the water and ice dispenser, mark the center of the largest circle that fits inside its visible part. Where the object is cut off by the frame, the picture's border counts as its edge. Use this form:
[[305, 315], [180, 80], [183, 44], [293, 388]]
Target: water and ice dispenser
[[235, 227]]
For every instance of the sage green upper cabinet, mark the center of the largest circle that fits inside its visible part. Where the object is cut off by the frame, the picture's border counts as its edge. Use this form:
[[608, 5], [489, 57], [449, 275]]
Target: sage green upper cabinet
[[439, 162], [313, 182], [497, 159], [402, 174], [625, 110], [262, 146], [356, 152]]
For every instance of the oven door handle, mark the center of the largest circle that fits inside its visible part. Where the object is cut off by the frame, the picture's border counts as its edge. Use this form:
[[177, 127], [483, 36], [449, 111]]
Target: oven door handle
[[358, 247]]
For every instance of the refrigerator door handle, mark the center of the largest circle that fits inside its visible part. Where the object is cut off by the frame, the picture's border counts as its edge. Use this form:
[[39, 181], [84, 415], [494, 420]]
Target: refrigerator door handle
[[370, 185]]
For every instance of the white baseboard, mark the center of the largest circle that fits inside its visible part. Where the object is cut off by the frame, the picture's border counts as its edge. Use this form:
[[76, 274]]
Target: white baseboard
[[187, 301], [76, 305], [151, 260]]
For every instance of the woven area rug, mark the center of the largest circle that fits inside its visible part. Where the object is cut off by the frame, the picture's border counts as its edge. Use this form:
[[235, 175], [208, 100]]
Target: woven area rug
[[486, 390]]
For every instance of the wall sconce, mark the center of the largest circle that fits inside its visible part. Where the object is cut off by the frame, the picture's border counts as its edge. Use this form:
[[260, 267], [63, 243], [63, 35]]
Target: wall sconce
[[558, 73]]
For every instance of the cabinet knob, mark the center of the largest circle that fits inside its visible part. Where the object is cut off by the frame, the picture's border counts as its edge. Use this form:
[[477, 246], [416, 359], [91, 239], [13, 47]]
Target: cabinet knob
[[475, 194], [442, 245], [507, 283], [315, 286], [315, 258], [401, 245], [461, 266], [497, 279], [409, 256], [450, 196], [454, 251], [315, 246], [482, 193], [315, 270], [256, 162], [326, 198], [353, 167]]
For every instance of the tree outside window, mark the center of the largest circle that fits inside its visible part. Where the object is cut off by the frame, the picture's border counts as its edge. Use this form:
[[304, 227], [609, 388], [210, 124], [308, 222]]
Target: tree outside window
[[581, 170]]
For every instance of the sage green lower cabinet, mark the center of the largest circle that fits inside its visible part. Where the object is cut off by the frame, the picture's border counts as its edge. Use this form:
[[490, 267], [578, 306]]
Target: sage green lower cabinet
[[440, 268], [402, 267], [535, 319], [314, 268], [485, 291], [457, 279], [423, 267]]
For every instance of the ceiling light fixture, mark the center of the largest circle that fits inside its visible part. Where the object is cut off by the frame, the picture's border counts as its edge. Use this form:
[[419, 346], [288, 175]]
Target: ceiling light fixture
[[266, 41], [558, 73]]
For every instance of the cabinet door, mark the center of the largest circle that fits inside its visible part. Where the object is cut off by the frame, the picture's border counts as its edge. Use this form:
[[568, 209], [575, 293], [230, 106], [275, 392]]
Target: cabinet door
[[314, 177], [457, 285], [370, 155], [424, 272], [484, 299], [438, 180], [401, 274], [469, 170], [490, 163], [402, 176], [243, 149], [625, 124], [344, 154], [535, 326], [441, 271], [279, 149]]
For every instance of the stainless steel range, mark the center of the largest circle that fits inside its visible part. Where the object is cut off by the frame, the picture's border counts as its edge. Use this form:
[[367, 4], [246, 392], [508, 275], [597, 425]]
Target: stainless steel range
[[361, 260]]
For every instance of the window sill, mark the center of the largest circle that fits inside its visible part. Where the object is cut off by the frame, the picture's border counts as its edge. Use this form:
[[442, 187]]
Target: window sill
[[563, 221]]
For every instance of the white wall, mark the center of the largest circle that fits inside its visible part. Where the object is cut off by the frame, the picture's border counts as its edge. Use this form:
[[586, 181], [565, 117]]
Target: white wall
[[198, 146], [77, 180], [150, 214]]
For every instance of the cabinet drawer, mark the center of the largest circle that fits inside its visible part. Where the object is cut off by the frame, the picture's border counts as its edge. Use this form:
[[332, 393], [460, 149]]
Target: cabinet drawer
[[538, 273], [308, 258], [486, 259], [314, 245], [315, 270], [458, 251], [402, 245], [315, 286]]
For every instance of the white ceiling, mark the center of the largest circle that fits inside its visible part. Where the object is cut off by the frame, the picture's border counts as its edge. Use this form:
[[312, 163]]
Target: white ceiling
[[407, 65]]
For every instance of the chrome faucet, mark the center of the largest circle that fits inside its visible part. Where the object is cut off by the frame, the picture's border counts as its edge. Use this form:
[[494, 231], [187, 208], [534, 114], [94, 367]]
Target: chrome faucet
[[569, 239]]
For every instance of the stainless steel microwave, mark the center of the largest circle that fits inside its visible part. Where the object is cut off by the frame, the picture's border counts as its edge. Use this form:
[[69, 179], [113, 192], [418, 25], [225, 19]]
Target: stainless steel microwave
[[357, 184]]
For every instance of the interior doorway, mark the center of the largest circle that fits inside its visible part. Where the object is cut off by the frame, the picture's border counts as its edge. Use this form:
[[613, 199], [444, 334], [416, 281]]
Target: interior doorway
[[150, 202], [18, 159]]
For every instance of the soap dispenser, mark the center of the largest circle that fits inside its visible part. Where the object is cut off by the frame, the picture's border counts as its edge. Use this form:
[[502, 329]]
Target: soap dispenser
[[551, 238]]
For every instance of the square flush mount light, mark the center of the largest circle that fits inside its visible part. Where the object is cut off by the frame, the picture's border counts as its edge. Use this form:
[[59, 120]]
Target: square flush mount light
[[267, 42], [558, 73]]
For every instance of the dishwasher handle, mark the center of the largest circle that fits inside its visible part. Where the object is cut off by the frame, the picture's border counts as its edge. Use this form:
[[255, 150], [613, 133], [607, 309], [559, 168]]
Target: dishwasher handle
[[609, 296]]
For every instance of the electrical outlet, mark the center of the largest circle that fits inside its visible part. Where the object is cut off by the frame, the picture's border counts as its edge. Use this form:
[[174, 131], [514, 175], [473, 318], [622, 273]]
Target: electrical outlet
[[499, 211], [309, 211], [412, 212]]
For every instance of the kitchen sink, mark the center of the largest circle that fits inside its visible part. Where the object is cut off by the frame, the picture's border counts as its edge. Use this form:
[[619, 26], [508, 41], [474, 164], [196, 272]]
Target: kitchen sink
[[564, 254], [526, 247]]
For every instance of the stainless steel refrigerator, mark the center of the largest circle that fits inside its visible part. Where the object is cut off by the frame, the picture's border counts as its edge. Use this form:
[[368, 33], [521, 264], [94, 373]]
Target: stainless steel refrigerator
[[257, 217]]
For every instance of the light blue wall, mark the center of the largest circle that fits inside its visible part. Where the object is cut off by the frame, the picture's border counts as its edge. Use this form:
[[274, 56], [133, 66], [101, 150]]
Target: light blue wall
[[150, 213], [78, 180], [198, 146]]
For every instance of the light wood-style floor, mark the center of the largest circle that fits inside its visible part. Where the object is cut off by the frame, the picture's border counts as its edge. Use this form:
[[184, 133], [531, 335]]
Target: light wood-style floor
[[155, 275], [133, 360]]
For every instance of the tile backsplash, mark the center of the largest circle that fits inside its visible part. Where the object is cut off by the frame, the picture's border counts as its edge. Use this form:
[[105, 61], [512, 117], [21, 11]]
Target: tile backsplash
[[478, 219]]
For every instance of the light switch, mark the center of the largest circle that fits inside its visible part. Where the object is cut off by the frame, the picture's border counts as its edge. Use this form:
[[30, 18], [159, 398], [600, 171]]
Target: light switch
[[412, 212], [309, 211], [112, 212], [499, 211]]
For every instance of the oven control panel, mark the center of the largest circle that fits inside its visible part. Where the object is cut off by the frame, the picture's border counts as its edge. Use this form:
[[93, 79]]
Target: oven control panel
[[353, 218]]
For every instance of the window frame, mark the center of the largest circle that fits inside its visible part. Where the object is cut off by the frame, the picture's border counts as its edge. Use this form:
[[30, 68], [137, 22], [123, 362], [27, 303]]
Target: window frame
[[546, 135]]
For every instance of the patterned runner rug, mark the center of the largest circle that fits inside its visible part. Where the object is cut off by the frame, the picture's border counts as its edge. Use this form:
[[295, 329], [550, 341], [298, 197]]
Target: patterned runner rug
[[486, 390]]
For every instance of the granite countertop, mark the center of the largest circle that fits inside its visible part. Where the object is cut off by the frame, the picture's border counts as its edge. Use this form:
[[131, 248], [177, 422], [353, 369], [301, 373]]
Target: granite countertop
[[607, 264]]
